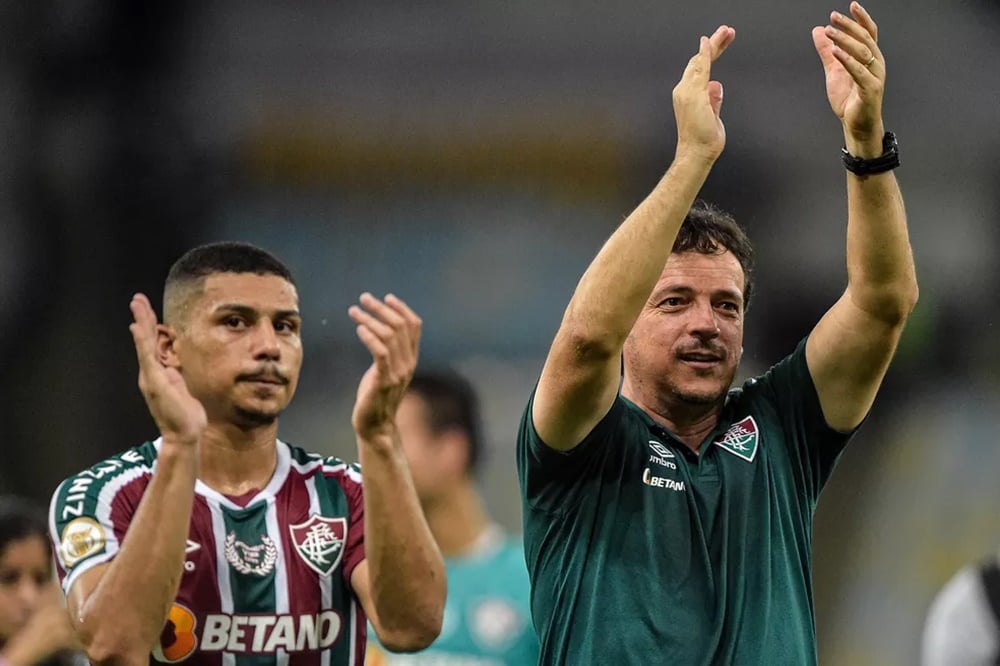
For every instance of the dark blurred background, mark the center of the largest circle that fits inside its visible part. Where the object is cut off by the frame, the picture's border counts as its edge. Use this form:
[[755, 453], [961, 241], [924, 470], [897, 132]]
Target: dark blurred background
[[472, 157]]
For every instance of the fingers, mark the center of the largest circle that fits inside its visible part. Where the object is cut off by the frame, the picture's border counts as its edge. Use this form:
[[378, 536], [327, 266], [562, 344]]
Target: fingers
[[413, 321], [699, 68], [858, 71], [699, 65], [856, 40], [824, 46], [378, 349], [142, 311], [391, 331], [720, 41], [143, 330], [382, 329], [865, 19]]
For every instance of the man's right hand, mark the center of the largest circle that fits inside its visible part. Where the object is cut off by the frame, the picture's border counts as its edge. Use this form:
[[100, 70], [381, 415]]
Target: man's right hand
[[698, 100], [179, 415]]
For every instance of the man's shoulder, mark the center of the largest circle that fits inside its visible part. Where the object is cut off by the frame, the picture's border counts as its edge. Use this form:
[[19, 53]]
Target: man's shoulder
[[85, 506], [788, 371], [308, 462], [133, 462]]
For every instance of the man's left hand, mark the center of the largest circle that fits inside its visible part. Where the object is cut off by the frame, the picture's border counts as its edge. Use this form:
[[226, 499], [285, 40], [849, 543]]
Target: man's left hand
[[855, 77], [391, 332]]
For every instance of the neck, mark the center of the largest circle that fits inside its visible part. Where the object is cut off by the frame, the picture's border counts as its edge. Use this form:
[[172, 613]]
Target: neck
[[235, 461], [690, 423], [457, 519]]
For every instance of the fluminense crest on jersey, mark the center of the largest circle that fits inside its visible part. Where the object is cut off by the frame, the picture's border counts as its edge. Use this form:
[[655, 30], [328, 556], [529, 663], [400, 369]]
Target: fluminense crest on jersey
[[256, 560], [320, 542], [741, 439]]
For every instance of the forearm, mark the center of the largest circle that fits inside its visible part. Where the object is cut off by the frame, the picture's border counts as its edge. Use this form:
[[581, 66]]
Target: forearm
[[617, 283], [881, 274], [123, 616], [405, 566]]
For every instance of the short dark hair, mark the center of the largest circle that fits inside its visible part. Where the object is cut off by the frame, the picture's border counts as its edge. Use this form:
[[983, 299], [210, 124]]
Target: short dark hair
[[451, 402], [21, 518], [220, 257], [710, 230]]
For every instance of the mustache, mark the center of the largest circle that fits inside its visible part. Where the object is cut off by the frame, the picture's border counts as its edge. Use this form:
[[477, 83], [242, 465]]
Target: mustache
[[707, 347], [267, 374]]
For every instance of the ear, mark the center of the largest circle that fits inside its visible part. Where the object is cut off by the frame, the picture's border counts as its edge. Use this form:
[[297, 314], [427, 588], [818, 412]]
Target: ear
[[166, 352]]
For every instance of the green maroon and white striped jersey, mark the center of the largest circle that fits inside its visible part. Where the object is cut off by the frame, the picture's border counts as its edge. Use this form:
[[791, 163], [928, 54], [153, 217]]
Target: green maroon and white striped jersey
[[267, 576]]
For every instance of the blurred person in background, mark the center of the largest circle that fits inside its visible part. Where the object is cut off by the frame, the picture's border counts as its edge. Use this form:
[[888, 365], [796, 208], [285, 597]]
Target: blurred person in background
[[487, 618], [35, 629], [219, 543], [667, 518], [962, 626]]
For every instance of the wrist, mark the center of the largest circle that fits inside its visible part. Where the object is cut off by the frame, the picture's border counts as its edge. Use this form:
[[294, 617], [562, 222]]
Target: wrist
[[382, 442], [695, 157], [180, 443], [865, 145], [887, 158], [177, 456]]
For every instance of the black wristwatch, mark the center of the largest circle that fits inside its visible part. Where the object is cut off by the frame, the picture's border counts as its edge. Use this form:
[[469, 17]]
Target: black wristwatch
[[887, 161]]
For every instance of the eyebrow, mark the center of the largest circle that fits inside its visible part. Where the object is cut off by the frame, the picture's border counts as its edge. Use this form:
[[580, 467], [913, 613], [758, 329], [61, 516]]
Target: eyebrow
[[687, 291], [250, 312]]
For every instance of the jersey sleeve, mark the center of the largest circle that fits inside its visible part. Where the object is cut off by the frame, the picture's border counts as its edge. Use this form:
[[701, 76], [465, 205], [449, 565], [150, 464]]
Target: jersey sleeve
[[89, 514], [813, 446], [354, 550], [554, 480]]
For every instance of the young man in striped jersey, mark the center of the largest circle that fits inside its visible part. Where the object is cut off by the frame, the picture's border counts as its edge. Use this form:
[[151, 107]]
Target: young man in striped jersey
[[218, 543]]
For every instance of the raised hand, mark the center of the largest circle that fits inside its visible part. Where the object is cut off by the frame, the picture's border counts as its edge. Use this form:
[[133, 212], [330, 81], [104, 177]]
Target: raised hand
[[48, 632], [698, 99], [855, 74], [391, 332], [178, 415]]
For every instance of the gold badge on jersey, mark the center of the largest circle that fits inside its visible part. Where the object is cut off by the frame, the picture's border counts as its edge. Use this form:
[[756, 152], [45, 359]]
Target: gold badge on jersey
[[81, 538]]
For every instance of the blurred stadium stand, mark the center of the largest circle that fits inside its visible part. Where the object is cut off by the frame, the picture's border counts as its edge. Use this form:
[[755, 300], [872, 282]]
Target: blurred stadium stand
[[472, 157]]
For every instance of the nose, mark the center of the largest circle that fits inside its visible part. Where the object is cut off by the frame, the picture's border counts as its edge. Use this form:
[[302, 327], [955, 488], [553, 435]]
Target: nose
[[28, 592], [704, 322], [265, 342]]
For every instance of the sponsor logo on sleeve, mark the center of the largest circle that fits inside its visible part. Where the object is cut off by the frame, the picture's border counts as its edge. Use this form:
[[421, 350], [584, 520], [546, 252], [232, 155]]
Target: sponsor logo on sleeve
[[81, 538]]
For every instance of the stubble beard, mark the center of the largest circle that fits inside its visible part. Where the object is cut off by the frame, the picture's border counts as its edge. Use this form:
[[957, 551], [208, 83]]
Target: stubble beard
[[255, 418], [677, 393], [695, 398]]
